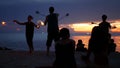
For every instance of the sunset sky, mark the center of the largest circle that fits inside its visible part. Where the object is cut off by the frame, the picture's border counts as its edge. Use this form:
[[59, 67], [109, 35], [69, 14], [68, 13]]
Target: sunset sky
[[82, 13], [87, 26]]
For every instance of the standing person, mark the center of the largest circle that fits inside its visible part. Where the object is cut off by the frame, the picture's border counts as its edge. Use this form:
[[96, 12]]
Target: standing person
[[53, 29], [64, 51], [104, 24], [29, 31], [98, 45], [99, 42]]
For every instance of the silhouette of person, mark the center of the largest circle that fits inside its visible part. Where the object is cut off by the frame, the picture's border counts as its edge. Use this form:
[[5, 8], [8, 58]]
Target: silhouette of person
[[112, 46], [53, 29], [104, 24], [64, 51], [29, 31], [98, 44], [80, 46]]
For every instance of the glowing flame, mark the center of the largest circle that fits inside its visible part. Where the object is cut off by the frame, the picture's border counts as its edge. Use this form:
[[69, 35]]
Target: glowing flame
[[81, 27], [42, 23], [38, 26], [3, 23]]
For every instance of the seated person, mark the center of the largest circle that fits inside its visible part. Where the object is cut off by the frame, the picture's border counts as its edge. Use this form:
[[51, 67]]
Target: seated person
[[80, 46], [112, 46], [64, 51]]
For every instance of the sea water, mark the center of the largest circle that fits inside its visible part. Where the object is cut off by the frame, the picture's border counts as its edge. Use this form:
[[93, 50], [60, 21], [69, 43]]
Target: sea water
[[17, 41]]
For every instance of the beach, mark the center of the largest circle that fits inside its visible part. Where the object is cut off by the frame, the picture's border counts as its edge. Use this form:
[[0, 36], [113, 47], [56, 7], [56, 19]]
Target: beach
[[19, 57], [39, 59]]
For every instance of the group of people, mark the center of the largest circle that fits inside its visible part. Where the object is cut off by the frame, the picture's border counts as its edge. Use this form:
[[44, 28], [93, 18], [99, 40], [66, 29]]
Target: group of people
[[100, 43], [53, 29], [65, 47]]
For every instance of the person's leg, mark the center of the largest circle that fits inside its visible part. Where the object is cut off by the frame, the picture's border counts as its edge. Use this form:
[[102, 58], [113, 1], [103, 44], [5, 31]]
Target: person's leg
[[48, 43], [31, 47], [56, 37], [30, 43]]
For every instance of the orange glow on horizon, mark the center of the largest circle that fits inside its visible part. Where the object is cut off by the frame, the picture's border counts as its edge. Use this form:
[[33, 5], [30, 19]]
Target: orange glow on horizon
[[87, 27], [82, 27], [116, 24]]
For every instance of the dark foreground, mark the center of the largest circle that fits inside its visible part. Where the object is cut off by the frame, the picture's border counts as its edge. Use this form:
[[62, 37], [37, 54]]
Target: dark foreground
[[39, 59]]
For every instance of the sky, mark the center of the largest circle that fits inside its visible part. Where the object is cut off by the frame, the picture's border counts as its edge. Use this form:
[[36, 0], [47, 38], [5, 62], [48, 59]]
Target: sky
[[79, 11]]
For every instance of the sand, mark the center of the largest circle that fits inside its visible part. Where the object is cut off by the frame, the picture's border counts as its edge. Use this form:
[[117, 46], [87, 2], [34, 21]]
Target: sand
[[39, 59]]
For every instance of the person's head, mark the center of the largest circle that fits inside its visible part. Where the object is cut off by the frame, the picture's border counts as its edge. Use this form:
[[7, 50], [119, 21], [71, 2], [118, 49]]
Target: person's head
[[104, 17], [64, 33], [30, 18], [80, 41], [51, 9]]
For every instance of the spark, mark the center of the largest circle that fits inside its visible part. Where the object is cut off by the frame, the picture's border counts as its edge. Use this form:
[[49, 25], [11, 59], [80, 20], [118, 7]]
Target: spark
[[3, 23]]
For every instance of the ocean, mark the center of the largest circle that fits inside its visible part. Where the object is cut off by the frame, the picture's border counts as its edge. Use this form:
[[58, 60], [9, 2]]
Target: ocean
[[17, 41]]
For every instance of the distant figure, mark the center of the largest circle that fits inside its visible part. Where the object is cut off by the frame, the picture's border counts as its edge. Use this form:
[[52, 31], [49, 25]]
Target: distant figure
[[112, 46], [53, 29], [104, 24], [99, 43], [29, 32], [80, 46], [64, 51]]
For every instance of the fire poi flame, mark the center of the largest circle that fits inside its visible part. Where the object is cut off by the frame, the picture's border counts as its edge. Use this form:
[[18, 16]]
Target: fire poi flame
[[3, 23]]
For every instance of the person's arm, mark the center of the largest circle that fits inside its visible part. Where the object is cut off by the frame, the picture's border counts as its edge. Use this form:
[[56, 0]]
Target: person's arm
[[46, 20], [73, 42], [57, 14], [19, 22], [110, 26], [36, 26]]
